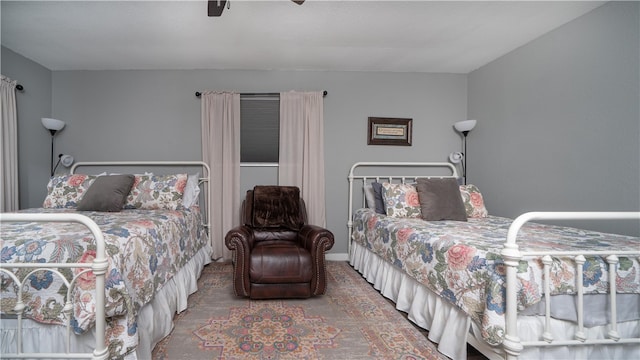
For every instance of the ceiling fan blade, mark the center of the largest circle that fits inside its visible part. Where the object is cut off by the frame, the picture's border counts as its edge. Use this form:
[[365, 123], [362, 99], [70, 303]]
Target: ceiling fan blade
[[299, 2], [215, 7]]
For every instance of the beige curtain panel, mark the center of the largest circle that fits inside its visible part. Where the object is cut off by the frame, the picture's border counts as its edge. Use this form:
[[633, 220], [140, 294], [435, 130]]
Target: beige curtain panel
[[220, 113], [301, 161], [9, 168]]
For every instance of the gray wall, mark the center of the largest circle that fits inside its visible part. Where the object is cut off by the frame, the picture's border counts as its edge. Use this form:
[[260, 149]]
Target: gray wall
[[34, 144], [558, 120], [154, 115]]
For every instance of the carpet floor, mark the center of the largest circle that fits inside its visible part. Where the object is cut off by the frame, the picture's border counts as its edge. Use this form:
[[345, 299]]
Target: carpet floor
[[351, 321]]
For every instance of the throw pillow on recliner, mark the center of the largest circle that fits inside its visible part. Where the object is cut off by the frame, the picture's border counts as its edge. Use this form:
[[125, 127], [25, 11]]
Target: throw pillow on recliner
[[277, 206]]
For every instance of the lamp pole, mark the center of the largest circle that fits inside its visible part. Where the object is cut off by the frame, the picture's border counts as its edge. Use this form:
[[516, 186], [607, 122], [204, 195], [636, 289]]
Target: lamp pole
[[53, 134], [464, 157]]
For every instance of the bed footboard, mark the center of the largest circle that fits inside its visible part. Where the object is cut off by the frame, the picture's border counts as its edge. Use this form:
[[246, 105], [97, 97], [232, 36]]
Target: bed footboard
[[512, 344], [98, 267]]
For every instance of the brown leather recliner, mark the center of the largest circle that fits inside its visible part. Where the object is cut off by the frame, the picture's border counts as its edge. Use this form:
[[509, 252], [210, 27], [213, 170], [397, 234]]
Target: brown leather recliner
[[276, 254]]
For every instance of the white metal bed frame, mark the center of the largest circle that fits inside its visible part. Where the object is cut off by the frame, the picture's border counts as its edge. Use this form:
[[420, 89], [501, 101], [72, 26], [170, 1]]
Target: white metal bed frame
[[205, 177], [99, 265], [401, 178], [512, 345], [99, 268]]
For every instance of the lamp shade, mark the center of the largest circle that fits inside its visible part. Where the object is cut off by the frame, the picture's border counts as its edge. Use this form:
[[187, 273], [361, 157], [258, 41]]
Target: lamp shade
[[465, 125], [455, 157], [52, 124], [66, 160]]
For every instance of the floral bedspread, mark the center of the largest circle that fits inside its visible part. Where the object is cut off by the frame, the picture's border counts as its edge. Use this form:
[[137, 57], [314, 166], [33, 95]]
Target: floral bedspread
[[461, 261], [145, 249]]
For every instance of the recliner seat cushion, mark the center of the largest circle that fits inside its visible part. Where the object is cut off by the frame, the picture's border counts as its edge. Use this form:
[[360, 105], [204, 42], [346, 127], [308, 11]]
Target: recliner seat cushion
[[280, 263]]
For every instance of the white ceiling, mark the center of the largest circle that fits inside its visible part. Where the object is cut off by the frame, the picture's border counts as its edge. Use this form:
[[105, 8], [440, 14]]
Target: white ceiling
[[414, 36]]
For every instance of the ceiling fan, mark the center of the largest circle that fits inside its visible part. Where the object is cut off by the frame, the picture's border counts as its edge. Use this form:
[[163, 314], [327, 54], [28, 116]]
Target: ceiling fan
[[215, 7]]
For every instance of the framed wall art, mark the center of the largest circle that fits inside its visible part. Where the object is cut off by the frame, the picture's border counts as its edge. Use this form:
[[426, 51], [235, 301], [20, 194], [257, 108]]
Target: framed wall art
[[389, 131]]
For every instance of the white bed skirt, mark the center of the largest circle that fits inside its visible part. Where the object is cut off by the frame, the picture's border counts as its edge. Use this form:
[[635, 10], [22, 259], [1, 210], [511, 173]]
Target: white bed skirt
[[448, 326], [451, 329], [155, 320]]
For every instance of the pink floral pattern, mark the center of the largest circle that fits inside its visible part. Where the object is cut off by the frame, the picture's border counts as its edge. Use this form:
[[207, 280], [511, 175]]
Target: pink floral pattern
[[461, 261], [86, 281], [152, 192], [145, 249], [401, 200], [473, 201], [65, 191], [460, 256]]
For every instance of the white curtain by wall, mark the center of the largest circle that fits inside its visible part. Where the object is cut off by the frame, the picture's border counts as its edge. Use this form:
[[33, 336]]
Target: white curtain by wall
[[301, 160], [221, 150], [9, 168]]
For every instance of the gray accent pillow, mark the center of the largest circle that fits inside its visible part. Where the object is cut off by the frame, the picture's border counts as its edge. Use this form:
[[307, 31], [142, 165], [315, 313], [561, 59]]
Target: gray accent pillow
[[107, 193], [440, 199], [379, 201]]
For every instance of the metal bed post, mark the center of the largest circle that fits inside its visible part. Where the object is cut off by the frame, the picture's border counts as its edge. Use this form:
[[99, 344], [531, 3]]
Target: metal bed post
[[512, 344], [99, 268], [350, 218]]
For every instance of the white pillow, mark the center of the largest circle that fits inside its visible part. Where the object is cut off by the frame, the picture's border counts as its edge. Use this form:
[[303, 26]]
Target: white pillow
[[191, 191], [370, 196]]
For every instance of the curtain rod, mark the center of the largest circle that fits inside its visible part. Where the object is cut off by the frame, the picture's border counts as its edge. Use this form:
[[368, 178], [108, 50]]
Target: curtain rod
[[19, 87], [198, 93]]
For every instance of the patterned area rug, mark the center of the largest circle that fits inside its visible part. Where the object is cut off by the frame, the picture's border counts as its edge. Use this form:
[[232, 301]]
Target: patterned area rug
[[351, 321]]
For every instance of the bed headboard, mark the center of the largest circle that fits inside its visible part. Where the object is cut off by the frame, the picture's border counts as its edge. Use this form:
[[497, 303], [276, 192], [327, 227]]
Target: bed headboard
[[166, 166], [394, 172]]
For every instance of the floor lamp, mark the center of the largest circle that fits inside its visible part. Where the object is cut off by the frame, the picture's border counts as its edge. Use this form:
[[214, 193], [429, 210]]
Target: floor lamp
[[53, 125], [463, 127]]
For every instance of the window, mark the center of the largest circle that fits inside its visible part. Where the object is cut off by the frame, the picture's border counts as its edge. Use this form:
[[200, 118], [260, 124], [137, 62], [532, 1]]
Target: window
[[259, 128]]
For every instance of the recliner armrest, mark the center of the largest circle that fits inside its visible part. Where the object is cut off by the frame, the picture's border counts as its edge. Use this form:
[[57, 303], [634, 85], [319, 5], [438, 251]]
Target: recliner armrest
[[315, 238], [239, 236], [240, 240]]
